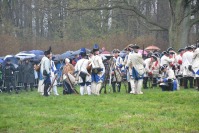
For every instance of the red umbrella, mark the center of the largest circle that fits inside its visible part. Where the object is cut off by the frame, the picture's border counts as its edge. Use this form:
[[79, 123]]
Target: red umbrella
[[105, 52], [141, 52], [151, 48]]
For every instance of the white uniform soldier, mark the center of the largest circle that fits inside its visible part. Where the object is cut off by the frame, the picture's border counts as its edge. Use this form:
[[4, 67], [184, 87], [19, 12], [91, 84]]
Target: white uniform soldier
[[156, 70], [128, 51], [165, 60], [136, 63], [45, 71], [148, 63], [53, 76], [98, 71], [168, 81], [186, 64], [195, 65], [117, 70], [179, 69], [84, 78]]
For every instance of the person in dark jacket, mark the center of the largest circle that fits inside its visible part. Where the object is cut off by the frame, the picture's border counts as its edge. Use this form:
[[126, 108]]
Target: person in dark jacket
[[1, 77], [20, 68], [29, 77], [8, 72]]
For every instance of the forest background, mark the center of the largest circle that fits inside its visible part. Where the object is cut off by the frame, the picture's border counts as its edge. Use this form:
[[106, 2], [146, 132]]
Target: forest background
[[72, 24]]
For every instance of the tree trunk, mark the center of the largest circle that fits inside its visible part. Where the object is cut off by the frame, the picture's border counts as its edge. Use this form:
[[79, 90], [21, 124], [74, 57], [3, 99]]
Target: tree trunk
[[180, 23]]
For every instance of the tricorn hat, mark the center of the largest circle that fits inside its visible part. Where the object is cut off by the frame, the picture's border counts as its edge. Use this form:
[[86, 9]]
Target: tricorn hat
[[134, 46], [47, 52], [154, 56], [189, 48], [82, 51], [180, 50], [169, 49], [116, 51], [163, 67], [95, 47]]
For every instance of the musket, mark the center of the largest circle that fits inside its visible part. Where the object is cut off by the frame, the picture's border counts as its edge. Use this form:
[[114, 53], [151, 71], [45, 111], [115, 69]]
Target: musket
[[143, 51], [50, 87], [110, 73]]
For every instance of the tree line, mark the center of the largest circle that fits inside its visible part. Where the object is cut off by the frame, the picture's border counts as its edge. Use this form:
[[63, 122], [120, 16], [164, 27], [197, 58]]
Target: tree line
[[68, 24]]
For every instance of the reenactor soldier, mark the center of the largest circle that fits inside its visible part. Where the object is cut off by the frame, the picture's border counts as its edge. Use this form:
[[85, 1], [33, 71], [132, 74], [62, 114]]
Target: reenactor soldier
[[45, 71], [98, 70], [195, 65], [168, 81], [148, 63], [188, 73], [179, 68], [83, 78], [136, 63], [117, 70], [128, 51], [165, 59]]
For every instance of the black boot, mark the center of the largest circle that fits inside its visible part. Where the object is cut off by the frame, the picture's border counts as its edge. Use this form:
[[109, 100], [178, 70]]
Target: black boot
[[170, 85], [119, 86], [185, 83], [145, 80], [113, 86], [197, 79], [191, 80], [129, 87]]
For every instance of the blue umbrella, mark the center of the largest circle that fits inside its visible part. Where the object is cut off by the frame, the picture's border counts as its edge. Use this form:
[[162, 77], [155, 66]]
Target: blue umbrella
[[65, 55], [13, 60], [37, 58], [1, 60], [78, 52], [37, 52]]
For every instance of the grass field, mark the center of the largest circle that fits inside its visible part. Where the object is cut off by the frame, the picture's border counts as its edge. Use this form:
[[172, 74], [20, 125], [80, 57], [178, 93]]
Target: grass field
[[155, 111]]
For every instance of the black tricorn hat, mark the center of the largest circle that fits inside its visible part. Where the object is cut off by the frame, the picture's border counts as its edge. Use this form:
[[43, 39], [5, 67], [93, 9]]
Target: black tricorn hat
[[189, 48], [154, 56], [180, 50], [135, 46], [163, 67], [170, 48], [116, 51], [47, 52]]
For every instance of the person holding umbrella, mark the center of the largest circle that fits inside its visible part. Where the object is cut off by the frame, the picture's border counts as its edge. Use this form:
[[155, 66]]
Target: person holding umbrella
[[9, 70]]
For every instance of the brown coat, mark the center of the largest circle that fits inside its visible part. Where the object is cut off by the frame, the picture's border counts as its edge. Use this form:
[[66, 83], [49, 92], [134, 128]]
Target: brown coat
[[69, 68]]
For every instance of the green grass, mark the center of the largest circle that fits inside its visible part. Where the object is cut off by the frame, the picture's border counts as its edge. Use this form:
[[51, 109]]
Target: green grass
[[153, 112]]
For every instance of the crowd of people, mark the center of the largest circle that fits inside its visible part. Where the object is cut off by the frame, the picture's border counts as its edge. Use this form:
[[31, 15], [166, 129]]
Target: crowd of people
[[169, 70]]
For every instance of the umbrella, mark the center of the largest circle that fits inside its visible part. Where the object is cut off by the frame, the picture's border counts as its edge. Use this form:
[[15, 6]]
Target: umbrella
[[78, 52], [37, 52], [13, 60], [37, 58], [65, 55], [105, 52], [25, 55], [151, 48], [141, 52], [1, 61]]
